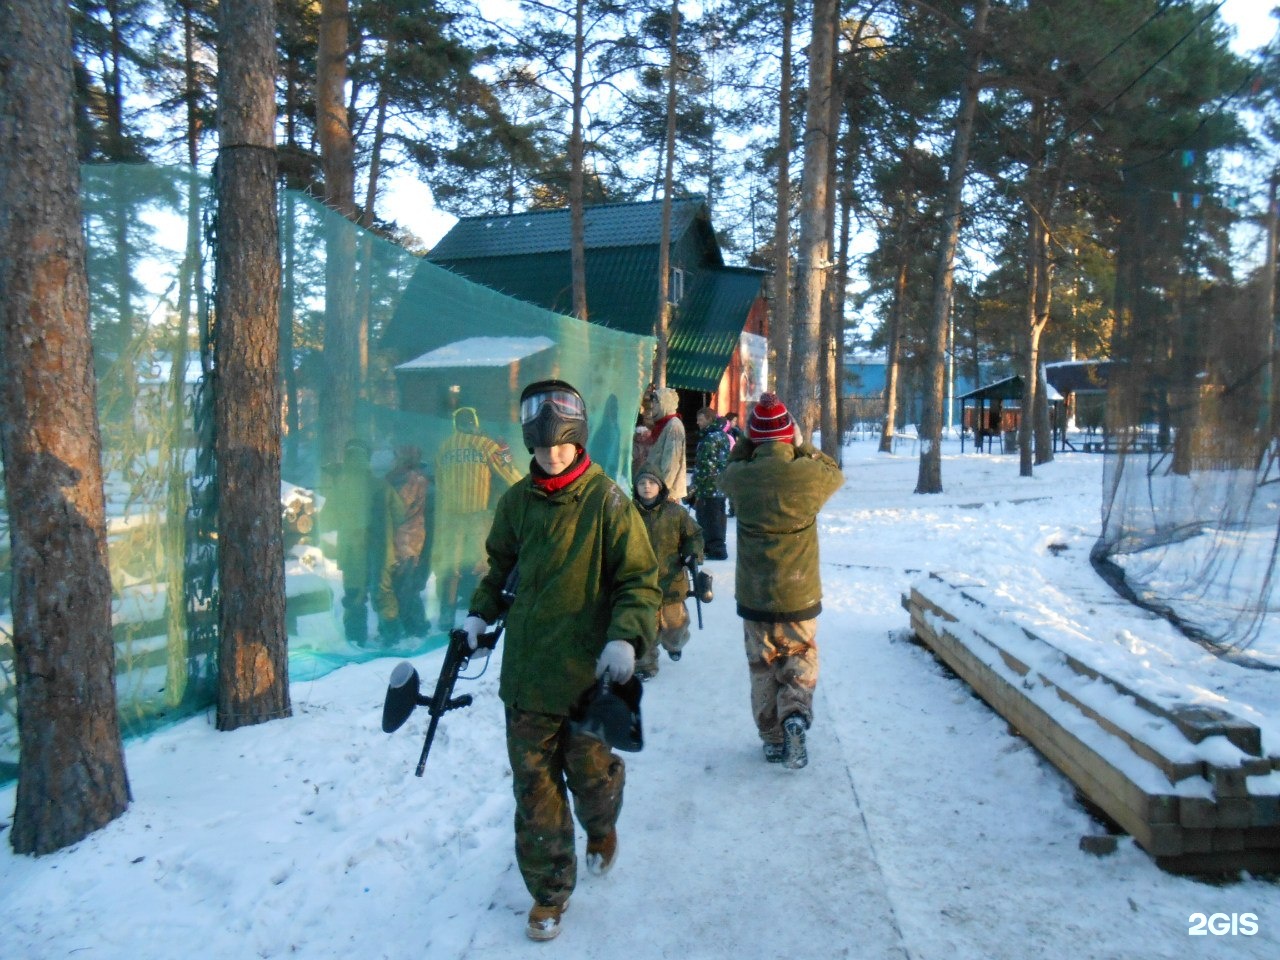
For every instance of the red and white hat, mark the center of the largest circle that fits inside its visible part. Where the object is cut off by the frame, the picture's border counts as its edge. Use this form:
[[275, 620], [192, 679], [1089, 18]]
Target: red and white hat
[[770, 421]]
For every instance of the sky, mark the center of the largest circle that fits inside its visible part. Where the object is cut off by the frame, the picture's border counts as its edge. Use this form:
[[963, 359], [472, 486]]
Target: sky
[[922, 827]]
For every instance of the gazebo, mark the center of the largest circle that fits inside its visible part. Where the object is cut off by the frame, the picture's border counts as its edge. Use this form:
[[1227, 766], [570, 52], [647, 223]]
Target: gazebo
[[986, 412]]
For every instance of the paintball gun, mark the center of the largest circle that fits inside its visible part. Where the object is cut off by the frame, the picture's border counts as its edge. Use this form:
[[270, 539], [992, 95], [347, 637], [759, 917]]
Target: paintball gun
[[403, 688], [700, 582]]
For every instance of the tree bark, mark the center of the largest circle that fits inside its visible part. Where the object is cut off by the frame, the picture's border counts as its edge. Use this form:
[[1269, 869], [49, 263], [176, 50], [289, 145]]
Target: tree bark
[[663, 322], [813, 257], [894, 347], [337, 156], [253, 673], [929, 478], [780, 327], [71, 773], [577, 216]]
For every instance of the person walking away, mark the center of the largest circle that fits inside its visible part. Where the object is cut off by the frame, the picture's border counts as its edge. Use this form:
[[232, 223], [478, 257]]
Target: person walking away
[[400, 608], [779, 483], [674, 537], [585, 606], [350, 510], [668, 452], [470, 469], [708, 502]]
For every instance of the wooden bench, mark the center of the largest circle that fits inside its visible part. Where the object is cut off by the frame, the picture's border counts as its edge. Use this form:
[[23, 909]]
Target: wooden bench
[[1191, 783]]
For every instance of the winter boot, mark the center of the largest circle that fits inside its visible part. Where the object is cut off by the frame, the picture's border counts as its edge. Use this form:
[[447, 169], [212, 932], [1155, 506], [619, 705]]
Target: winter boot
[[601, 853], [773, 752], [794, 754], [544, 920]]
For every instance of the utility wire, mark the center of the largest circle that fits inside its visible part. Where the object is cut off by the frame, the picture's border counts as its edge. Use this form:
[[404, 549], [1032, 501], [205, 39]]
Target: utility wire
[[1138, 79]]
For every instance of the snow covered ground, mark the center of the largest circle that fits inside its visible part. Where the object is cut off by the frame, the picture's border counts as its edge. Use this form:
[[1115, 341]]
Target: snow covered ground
[[921, 828]]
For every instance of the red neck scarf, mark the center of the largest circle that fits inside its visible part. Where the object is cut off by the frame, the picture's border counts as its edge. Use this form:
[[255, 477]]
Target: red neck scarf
[[549, 484], [661, 424]]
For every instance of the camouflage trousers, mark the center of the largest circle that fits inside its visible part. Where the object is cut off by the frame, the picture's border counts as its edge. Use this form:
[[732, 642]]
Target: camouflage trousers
[[783, 661], [548, 762], [673, 634]]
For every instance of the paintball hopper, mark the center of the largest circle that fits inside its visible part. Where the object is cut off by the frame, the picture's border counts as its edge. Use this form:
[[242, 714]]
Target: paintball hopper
[[702, 587], [610, 712], [402, 697]]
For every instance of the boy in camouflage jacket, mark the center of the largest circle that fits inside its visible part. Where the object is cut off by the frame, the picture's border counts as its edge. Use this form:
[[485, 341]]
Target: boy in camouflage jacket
[[674, 536], [779, 483], [586, 604]]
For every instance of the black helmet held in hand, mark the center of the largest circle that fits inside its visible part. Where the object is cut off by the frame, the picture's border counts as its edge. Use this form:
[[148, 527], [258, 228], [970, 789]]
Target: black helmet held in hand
[[610, 712], [552, 412]]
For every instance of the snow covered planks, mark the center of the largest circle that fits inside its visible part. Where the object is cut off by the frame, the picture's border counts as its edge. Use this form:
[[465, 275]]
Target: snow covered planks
[[1191, 783]]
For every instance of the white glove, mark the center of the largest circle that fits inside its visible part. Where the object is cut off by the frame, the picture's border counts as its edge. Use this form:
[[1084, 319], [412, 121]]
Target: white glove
[[474, 626], [619, 658]]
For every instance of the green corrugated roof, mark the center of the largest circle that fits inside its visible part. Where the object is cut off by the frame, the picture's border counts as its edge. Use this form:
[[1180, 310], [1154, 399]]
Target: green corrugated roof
[[526, 256], [546, 231], [707, 326]]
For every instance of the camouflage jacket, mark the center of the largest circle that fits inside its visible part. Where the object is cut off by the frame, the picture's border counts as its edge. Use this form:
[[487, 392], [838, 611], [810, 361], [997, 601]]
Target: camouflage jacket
[[777, 491], [674, 535], [711, 456], [587, 576]]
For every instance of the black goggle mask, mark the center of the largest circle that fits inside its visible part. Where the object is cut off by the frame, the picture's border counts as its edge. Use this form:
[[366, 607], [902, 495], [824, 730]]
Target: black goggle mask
[[565, 405]]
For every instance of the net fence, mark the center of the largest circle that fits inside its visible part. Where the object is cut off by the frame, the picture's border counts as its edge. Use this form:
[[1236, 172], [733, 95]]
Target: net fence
[[401, 386], [1191, 495]]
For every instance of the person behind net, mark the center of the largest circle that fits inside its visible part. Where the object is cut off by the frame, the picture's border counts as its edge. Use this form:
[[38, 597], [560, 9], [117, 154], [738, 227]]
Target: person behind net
[[401, 611], [779, 483], [585, 606], [469, 469], [351, 511], [674, 537], [708, 502]]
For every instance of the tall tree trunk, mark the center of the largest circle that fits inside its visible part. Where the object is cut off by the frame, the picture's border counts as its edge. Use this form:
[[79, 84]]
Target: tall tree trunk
[[663, 322], [813, 257], [577, 216], [1270, 328], [929, 478], [253, 670], [894, 346], [337, 156], [832, 328], [780, 325], [71, 774]]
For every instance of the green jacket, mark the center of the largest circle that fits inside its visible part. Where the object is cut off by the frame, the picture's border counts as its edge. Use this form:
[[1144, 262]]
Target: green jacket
[[587, 576], [674, 535], [777, 491]]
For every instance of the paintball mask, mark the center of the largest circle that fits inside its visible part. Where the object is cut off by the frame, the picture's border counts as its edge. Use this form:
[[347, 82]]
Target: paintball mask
[[552, 412], [610, 712]]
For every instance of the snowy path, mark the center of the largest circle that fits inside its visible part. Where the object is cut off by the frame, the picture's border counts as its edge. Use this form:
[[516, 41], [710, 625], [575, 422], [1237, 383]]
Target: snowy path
[[718, 848]]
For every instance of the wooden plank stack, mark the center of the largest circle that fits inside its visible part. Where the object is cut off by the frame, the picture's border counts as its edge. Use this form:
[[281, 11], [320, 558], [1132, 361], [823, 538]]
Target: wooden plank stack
[[1191, 783]]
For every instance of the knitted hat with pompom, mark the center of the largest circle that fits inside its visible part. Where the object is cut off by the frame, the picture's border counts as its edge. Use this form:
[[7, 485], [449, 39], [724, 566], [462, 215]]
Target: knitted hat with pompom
[[770, 421]]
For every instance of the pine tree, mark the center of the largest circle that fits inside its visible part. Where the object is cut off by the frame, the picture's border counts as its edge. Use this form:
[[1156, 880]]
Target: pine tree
[[71, 774]]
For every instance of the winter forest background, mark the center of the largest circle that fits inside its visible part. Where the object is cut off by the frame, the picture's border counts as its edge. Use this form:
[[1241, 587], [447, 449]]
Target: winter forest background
[[982, 186]]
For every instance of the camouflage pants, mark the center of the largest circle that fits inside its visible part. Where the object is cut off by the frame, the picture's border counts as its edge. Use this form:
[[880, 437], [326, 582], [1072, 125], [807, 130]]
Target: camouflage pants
[[548, 762], [783, 661], [673, 634]]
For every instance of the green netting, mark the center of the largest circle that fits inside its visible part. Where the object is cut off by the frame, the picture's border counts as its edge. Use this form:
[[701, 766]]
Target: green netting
[[458, 347], [1191, 498]]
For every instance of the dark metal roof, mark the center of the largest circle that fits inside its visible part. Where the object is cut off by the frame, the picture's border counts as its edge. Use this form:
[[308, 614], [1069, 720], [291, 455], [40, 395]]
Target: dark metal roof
[[1010, 388], [546, 231], [1078, 376]]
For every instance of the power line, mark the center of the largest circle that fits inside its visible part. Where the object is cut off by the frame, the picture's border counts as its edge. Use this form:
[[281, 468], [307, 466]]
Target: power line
[[1138, 79]]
